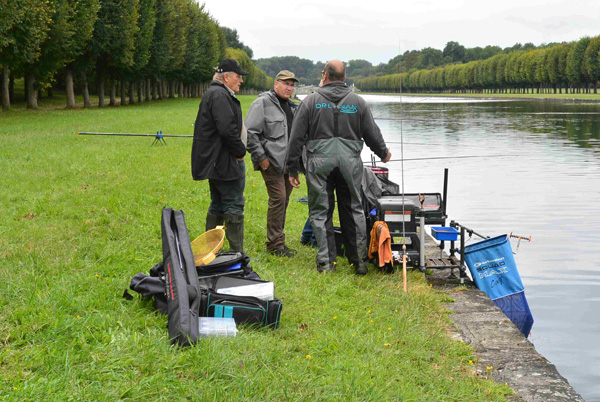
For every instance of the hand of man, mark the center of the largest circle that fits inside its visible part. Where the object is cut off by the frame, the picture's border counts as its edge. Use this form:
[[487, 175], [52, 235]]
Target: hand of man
[[264, 164], [388, 156], [240, 159], [294, 181]]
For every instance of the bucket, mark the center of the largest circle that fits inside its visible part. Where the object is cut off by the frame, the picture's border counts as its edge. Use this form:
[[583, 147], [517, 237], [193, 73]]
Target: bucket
[[207, 245], [493, 267]]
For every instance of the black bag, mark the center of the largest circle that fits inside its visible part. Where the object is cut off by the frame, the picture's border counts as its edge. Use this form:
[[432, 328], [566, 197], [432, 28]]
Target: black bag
[[183, 298], [243, 309]]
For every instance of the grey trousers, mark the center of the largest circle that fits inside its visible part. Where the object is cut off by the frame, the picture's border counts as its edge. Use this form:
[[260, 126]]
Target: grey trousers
[[334, 165]]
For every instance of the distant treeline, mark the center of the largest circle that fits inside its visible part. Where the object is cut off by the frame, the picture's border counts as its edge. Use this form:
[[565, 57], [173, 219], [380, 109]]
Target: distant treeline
[[574, 67], [309, 72], [152, 48]]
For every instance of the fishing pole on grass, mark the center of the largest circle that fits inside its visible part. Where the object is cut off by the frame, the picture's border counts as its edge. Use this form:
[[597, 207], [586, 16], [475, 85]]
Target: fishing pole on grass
[[159, 137]]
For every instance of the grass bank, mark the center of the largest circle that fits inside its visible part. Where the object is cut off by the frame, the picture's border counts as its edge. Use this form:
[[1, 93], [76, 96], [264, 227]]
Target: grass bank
[[81, 216]]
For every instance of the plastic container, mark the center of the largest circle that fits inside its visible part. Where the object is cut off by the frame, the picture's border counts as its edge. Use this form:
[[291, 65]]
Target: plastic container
[[263, 290], [217, 326], [207, 245], [444, 233]]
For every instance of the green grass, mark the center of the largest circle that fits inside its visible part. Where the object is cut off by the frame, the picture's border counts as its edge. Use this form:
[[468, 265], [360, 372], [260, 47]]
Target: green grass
[[81, 216]]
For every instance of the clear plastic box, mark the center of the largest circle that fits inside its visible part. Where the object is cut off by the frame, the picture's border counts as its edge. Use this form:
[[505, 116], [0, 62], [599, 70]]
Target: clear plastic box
[[217, 326], [263, 290]]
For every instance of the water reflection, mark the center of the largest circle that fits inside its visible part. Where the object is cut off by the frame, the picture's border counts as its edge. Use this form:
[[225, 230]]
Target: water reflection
[[538, 174]]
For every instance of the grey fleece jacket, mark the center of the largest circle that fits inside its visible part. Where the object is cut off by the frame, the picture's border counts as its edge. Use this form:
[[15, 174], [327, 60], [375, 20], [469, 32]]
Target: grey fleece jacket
[[267, 128], [316, 119]]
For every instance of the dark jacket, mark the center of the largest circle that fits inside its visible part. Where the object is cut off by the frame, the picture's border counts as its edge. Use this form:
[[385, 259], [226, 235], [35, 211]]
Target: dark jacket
[[315, 120], [217, 131], [267, 127]]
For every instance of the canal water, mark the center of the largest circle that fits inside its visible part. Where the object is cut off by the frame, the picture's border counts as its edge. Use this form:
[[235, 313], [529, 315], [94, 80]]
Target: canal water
[[527, 167]]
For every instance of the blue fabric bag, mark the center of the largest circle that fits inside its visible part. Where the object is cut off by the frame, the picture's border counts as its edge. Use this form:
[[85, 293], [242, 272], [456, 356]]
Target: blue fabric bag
[[493, 267], [494, 271]]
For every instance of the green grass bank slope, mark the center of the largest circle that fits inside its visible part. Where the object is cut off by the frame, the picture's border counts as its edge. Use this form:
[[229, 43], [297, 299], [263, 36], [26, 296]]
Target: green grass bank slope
[[81, 216]]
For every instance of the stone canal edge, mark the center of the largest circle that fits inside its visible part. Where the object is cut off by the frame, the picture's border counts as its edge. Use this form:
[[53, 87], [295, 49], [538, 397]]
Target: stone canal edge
[[504, 354]]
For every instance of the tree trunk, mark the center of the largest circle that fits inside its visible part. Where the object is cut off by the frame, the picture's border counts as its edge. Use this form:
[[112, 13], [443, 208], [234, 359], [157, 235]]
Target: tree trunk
[[101, 80], [148, 91], [140, 91], [5, 91], [32, 102], [171, 85], [123, 92], [131, 94], [11, 88], [86, 92], [181, 90], [113, 92], [70, 89], [153, 88]]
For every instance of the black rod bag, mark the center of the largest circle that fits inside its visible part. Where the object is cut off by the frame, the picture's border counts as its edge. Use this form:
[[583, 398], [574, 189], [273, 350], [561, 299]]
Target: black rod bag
[[183, 297]]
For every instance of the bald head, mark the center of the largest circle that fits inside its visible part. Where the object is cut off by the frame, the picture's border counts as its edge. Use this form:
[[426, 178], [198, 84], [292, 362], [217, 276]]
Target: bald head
[[335, 71]]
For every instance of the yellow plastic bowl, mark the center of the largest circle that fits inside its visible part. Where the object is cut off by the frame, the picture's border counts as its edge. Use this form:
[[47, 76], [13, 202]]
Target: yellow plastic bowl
[[207, 245]]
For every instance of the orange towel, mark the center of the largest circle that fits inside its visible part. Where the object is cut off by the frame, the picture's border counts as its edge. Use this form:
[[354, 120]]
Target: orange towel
[[381, 243]]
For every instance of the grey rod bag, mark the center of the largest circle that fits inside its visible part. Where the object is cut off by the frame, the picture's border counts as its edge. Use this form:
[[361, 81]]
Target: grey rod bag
[[183, 297]]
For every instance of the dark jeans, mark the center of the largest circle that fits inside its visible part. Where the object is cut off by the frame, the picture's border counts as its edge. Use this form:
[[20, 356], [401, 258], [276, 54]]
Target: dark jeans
[[227, 196], [308, 235], [279, 190]]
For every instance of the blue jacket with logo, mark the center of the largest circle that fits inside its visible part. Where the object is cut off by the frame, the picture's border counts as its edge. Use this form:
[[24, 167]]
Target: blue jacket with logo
[[317, 121]]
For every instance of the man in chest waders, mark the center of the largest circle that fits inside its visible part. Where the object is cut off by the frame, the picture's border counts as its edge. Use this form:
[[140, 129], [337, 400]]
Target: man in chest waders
[[333, 123]]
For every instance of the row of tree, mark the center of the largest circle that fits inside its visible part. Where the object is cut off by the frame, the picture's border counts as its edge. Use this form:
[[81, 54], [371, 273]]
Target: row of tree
[[156, 48], [309, 72], [573, 66]]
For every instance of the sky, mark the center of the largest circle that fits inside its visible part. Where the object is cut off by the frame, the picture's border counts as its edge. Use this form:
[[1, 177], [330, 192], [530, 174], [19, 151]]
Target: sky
[[379, 30]]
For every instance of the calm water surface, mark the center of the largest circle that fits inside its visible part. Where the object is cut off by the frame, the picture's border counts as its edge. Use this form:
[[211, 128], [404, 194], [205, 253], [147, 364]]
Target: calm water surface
[[538, 175]]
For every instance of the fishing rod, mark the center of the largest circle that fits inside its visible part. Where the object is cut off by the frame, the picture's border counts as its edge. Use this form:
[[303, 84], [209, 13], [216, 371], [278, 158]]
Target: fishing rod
[[158, 134], [159, 137], [413, 119], [440, 157]]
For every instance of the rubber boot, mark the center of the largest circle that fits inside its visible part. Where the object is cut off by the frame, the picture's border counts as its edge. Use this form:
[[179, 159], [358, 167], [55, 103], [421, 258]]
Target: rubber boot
[[234, 230], [212, 221]]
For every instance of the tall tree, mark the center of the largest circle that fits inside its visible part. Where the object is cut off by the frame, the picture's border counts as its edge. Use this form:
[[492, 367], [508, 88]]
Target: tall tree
[[113, 42], [575, 72], [591, 62], [557, 66], [454, 51], [24, 25], [143, 42], [233, 40], [429, 58]]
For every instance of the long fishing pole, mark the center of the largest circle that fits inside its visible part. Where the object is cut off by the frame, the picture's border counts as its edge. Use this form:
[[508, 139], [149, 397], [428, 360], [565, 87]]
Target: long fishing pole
[[404, 284], [441, 157], [138, 135]]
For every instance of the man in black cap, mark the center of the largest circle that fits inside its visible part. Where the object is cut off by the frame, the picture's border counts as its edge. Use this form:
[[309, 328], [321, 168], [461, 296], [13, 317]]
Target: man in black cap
[[269, 123], [218, 151]]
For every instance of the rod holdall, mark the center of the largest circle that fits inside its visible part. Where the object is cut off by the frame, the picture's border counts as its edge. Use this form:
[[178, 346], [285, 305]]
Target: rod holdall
[[181, 287]]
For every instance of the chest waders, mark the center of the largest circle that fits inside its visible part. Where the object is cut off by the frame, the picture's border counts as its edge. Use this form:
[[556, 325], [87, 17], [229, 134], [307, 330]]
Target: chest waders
[[335, 164]]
